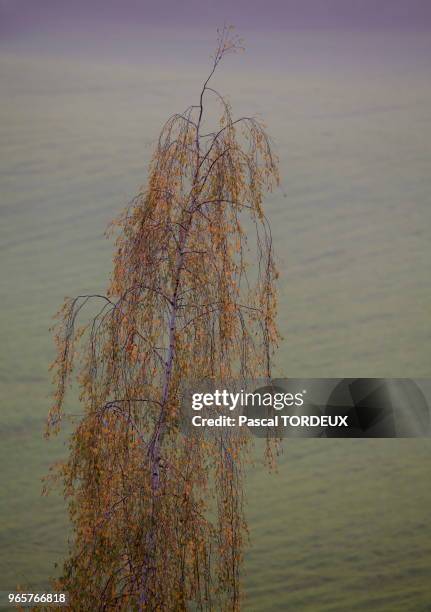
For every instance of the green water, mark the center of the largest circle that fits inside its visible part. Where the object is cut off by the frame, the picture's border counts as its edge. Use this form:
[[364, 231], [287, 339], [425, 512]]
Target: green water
[[344, 525]]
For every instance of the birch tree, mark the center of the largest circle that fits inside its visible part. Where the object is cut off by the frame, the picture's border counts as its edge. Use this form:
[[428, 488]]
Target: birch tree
[[157, 516]]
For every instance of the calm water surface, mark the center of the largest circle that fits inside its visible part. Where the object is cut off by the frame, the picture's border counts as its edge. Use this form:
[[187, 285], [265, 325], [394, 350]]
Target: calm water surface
[[351, 226]]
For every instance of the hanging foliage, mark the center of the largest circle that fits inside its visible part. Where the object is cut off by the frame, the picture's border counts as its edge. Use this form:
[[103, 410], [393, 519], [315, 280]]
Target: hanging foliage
[[157, 516]]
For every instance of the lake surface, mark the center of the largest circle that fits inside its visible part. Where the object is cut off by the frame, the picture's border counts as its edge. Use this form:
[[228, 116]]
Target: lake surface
[[351, 121]]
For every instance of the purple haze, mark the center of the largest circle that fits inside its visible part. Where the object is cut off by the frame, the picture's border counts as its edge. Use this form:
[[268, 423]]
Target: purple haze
[[20, 16]]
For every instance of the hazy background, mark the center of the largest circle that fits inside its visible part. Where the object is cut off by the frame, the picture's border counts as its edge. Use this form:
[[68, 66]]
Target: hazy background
[[344, 88]]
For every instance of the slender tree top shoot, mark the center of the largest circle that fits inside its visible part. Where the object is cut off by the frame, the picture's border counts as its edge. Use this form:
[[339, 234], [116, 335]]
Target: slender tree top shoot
[[158, 516]]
